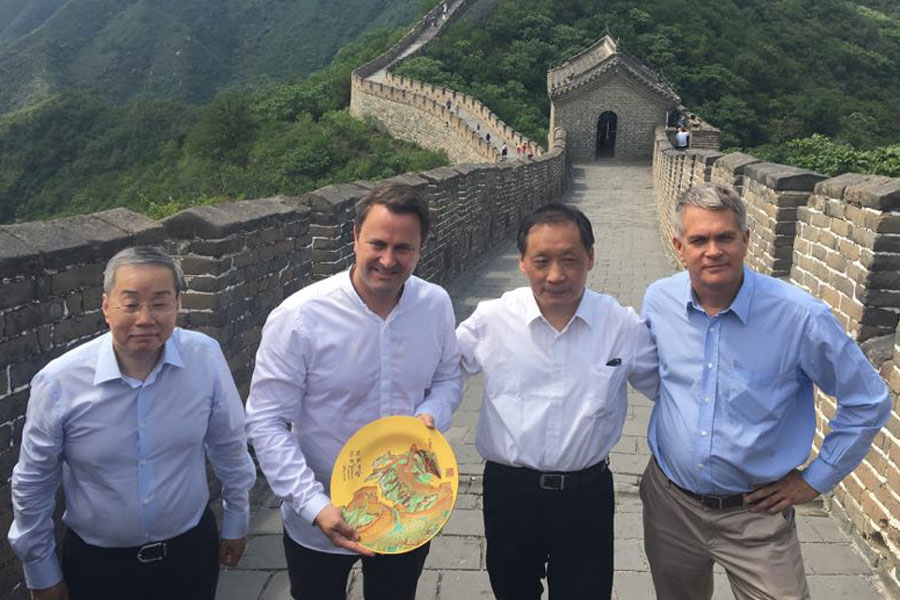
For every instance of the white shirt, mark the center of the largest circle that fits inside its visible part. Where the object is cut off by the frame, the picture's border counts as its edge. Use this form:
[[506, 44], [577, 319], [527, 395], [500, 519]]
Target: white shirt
[[681, 139], [326, 366], [131, 454], [552, 400]]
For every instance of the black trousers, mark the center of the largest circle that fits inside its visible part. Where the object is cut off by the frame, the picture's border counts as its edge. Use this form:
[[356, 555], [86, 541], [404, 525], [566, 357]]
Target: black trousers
[[189, 570], [563, 534], [318, 575]]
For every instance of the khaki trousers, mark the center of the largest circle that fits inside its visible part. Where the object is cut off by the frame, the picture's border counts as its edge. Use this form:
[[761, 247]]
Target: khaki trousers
[[682, 538]]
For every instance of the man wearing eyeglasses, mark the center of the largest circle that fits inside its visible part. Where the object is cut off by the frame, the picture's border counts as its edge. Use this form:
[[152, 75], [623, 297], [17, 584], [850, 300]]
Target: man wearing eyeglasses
[[125, 423]]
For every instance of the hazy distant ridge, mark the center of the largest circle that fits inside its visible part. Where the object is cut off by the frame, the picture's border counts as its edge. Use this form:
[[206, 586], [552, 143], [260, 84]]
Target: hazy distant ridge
[[183, 50]]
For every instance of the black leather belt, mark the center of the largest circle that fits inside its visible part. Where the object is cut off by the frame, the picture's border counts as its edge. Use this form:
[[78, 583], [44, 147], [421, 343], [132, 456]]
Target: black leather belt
[[556, 481], [713, 502], [148, 553]]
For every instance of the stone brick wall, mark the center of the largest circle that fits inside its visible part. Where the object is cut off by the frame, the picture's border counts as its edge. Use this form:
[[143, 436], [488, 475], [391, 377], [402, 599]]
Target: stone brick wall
[[240, 260], [847, 252], [773, 193], [638, 114], [416, 111], [492, 123], [839, 239], [414, 117]]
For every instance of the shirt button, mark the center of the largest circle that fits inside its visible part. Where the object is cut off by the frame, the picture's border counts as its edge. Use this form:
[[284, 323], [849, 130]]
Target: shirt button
[[709, 365], [143, 462], [146, 501], [706, 400], [700, 466], [704, 433]]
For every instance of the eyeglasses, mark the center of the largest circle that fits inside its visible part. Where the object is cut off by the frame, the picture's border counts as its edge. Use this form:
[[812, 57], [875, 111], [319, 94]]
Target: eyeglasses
[[157, 308]]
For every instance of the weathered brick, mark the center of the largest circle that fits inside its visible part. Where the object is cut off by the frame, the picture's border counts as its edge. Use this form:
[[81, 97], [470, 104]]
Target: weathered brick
[[16, 292], [19, 347], [77, 277], [78, 327], [13, 406], [204, 265]]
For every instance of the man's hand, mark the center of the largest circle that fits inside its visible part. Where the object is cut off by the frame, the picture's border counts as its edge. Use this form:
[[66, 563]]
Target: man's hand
[[776, 497], [332, 524], [230, 551], [57, 592], [427, 419]]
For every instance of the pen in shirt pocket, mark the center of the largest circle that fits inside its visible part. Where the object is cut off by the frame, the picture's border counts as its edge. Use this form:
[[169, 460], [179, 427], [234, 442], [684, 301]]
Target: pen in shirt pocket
[[614, 362]]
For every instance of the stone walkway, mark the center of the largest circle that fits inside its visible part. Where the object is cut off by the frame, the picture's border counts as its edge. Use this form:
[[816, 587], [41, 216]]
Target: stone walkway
[[618, 198]]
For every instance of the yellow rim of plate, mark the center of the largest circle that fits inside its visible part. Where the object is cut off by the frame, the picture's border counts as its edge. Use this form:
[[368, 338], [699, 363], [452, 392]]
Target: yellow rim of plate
[[395, 434]]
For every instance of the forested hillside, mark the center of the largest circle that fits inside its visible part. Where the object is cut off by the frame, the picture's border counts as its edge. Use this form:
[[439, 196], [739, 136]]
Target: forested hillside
[[764, 71], [173, 49], [77, 152]]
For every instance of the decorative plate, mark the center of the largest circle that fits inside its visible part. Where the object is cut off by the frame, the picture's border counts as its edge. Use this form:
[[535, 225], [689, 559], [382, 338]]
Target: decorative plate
[[395, 482]]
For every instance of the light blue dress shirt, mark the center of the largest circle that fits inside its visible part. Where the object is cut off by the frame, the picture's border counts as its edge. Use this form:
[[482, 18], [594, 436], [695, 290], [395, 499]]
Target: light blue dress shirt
[[736, 407], [130, 454]]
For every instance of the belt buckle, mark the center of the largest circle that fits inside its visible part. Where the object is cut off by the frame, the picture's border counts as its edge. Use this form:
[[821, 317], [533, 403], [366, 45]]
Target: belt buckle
[[714, 502], [151, 552], [552, 481]]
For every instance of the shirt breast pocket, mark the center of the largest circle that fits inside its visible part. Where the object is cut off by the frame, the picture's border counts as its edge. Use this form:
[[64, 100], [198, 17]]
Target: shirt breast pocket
[[604, 383], [758, 395]]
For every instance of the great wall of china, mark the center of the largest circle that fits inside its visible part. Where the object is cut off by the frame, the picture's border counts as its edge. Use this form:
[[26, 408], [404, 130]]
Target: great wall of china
[[838, 238]]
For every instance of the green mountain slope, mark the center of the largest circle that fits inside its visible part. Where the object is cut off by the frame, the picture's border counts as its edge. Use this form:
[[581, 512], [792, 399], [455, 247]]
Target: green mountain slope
[[174, 49]]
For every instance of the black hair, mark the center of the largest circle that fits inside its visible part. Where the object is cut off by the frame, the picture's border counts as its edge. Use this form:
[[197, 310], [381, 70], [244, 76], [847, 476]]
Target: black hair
[[556, 212]]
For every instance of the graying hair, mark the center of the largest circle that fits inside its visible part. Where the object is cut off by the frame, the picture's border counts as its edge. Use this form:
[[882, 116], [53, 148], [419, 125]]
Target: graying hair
[[142, 255], [711, 196]]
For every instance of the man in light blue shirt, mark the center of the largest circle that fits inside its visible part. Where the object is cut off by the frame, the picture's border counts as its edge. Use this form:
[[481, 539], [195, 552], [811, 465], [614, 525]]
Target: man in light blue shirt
[[125, 422], [739, 353]]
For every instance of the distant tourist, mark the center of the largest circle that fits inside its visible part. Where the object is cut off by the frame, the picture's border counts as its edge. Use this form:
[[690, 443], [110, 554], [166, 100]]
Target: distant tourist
[[739, 354], [518, 150], [126, 423], [556, 359], [503, 151], [369, 342], [682, 138], [449, 104], [487, 137]]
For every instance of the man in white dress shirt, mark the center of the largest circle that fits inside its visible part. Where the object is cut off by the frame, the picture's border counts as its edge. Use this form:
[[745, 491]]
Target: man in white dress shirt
[[125, 422], [367, 343], [555, 358]]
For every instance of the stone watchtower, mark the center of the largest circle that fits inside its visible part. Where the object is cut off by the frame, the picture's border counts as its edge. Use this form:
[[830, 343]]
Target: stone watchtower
[[609, 103]]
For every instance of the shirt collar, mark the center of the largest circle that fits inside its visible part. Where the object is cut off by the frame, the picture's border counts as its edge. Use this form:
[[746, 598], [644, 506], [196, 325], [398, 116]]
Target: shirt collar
[[533, 311], [350, 290], [108, 367], [740, 306]]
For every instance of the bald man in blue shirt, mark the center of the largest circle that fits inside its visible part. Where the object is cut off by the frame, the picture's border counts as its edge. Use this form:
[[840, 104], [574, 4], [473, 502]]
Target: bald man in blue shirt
[[739, 353]]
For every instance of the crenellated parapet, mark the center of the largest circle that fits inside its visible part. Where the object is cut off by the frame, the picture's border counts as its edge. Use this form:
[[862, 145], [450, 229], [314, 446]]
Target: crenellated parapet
[[419, 112], [488, 121], [839, 239]]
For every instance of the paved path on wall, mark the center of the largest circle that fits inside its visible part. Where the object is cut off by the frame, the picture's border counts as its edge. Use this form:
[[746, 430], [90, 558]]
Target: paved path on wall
[[475, 122], [618, 198]]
